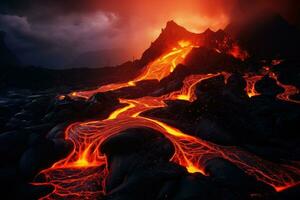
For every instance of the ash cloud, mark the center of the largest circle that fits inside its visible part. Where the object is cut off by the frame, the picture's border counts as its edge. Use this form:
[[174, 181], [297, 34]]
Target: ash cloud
[[53, 33]]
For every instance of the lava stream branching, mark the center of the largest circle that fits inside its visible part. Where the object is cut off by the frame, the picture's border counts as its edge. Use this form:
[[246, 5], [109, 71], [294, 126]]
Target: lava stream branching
[[83, 171], [158, 69], [252, 79]]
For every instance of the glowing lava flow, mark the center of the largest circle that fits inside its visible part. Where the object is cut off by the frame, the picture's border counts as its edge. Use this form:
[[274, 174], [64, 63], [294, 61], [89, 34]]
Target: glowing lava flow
[[250, 87], [158, 69], [251, 80], [238, 53], [82, 172], [289, 90]]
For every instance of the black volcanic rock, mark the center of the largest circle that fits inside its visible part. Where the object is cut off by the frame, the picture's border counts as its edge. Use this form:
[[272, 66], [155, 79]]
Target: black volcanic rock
[[229, 175], [42, 155], [236, 84], [28, 191], [268, 35], [135, 139], [12, 145], [136, 155], [28, 77], [268, 86], [209, 130], [7, 58], [207, 60], [195, 186]]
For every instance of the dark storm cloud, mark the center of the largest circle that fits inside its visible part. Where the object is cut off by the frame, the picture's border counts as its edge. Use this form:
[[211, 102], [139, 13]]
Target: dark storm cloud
[[44, 35], [53, 32]]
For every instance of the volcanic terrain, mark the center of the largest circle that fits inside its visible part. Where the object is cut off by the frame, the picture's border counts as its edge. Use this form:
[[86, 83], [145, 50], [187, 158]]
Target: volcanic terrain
[[210, 115]]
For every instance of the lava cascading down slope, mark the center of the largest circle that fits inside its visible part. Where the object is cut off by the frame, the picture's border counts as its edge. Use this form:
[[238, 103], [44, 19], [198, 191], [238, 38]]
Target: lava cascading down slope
[[82, 172], [158, 69]]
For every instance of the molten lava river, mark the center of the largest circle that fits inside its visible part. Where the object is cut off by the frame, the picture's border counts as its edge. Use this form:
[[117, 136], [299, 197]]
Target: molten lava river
[[84, 169]]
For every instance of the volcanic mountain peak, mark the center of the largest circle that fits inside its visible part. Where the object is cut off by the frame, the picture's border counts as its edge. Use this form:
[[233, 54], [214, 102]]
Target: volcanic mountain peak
[[173, 27], [173, 33], [208, 31], [172, 23]]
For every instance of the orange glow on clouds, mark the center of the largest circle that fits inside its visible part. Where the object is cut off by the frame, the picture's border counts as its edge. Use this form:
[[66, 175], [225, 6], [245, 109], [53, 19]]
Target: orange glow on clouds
[[146, 18], [199, 24]]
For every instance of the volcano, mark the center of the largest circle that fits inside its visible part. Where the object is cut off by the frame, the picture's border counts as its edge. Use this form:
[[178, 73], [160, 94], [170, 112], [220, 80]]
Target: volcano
[[173, 33], [200, 118]]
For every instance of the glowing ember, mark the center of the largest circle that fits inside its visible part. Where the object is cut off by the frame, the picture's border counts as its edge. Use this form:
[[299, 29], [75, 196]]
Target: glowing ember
[[276, 62], [61, 97], [238, 53]]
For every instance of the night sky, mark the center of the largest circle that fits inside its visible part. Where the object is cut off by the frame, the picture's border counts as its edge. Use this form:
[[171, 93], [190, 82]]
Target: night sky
[[53, 33]]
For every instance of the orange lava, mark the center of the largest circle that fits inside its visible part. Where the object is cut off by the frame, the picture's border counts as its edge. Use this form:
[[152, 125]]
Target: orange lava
[[156, 70], [289, 90], [250, 87], [82, 172], [61, 97], [238, 53]]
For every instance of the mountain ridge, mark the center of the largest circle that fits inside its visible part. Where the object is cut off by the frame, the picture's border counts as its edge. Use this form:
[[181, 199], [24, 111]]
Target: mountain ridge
[[172, 33]]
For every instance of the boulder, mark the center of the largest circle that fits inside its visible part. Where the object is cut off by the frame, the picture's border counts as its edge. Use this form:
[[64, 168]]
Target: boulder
[[12, 145], [228, 175], [42, 156], [136, 155]]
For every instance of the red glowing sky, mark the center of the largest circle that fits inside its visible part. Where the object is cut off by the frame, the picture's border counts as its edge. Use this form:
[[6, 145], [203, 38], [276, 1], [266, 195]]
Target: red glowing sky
[[56, 31], [141, 21]]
